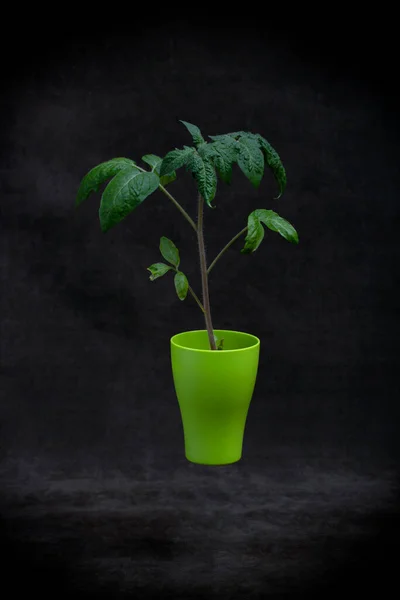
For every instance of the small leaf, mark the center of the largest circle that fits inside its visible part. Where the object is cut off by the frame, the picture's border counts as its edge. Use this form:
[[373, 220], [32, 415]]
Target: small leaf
[[100, 174], [169, 251], [174, 160], [181, 285], [158, 270], [275, 164], [153, 160], [205, 176], [123, 194], [194, 132], [276, 223], [155, 163], [219, 342], [255, 234]]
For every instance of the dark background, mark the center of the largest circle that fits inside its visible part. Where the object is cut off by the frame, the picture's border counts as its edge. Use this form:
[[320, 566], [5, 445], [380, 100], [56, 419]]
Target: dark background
[[96, 496]]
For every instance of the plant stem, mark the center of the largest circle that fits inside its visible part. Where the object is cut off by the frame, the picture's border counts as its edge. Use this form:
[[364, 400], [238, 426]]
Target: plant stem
[[197, 299], [204, 276], [237, 236], [178, 206]]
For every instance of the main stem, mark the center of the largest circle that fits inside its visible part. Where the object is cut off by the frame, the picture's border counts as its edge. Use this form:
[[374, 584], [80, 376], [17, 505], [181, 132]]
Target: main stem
[[204, 276]]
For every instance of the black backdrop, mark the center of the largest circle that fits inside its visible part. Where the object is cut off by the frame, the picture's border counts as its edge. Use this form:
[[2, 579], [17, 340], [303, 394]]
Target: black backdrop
[[96, 495]]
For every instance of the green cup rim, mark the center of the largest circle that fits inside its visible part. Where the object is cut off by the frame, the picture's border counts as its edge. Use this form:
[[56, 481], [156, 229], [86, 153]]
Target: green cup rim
[[256, 343]]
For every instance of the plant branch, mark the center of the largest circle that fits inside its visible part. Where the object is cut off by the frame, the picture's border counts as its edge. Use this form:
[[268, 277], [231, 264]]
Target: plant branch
[[204, 276], [178, 206], [197, 299], [229, 244]]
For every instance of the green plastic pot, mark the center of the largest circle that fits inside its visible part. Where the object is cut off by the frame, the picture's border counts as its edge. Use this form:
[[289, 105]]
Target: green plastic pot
[[214, 389]]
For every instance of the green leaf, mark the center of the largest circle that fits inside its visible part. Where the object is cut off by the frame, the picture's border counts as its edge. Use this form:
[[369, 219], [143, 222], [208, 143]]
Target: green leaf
[[194, 132], [169, 251], [224, 154], [205, 176], [233, 134], [206, 150], [165, 179], [275, 164], [181, 285], [223, 163], [153, 160], [271, 219], [276, 223], [174, 160], [243, 147], [123, 194], [255, 234], [99, 174], [271, 156], [219, 342], [158, 270], [251, 160], [155, 163]]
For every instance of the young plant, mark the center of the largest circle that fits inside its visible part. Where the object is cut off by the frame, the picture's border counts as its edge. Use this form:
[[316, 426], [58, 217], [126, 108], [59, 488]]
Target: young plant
[[131, 184]]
